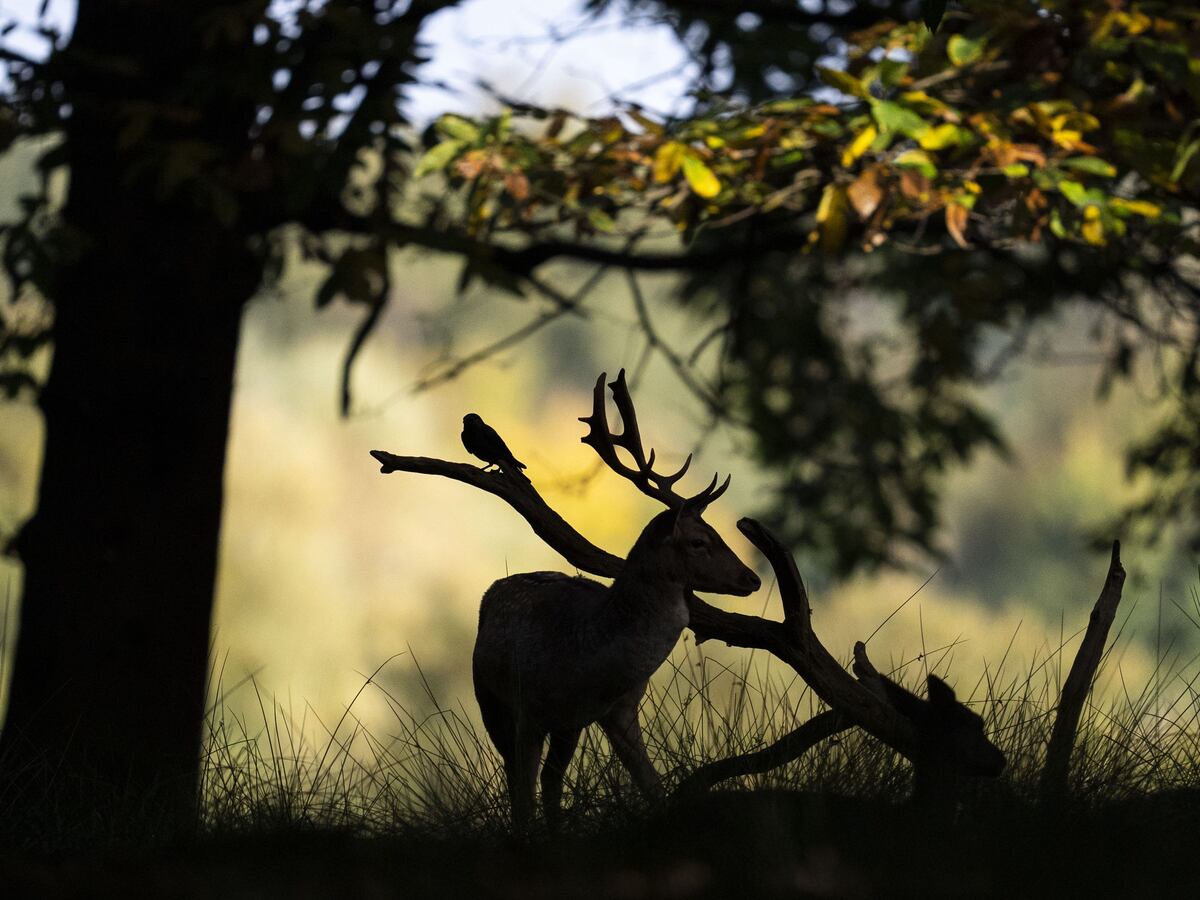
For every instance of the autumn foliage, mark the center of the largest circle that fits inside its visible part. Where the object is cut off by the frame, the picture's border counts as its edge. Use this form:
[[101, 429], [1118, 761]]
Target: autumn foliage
[[1014, 120]]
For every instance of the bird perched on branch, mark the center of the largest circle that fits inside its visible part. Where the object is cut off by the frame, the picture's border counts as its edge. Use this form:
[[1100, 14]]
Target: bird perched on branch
[[481, 440]]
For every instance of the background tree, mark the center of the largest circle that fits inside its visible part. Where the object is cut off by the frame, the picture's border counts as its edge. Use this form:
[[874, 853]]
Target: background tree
[[973, 179]]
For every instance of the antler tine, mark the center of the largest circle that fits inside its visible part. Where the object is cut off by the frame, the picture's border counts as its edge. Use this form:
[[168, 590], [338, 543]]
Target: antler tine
[[631, 436], [669, 480], [709, 495]]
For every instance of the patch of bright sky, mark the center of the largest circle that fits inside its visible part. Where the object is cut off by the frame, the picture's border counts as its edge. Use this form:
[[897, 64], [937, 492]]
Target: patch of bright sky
[[546, 52]]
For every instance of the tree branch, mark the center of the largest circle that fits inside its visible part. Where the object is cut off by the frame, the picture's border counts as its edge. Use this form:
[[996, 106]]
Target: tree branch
[[521, 496], [1079, 681], [791, 746]]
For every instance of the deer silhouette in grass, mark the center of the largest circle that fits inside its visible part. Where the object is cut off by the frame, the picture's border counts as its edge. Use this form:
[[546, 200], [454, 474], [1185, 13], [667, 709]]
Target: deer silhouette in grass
[[557, 653]]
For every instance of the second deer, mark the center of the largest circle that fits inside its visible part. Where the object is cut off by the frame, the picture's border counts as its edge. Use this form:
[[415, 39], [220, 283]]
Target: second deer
[[556, 653]]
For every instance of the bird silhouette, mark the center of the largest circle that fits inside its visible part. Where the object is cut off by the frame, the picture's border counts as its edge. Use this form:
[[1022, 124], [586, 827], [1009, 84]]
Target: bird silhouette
[[481, 440]]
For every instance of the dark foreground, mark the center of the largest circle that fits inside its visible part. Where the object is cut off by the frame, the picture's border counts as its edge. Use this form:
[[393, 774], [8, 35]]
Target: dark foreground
[[730, 845]]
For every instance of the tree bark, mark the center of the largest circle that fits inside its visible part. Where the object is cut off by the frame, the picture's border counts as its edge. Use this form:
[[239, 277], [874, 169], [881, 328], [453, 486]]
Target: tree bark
[[120, 559]]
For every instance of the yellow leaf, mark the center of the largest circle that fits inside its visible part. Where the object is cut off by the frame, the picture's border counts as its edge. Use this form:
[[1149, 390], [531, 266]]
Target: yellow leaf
[[859, 145], [700, 177], [667, 161], [843, 81], [1138, 207], [1093, 232], [941, 136], [832, 219]]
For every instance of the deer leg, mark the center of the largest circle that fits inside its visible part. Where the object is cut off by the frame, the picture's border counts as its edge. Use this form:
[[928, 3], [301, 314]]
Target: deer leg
[[621, 726], [562, 748], [522, 772]]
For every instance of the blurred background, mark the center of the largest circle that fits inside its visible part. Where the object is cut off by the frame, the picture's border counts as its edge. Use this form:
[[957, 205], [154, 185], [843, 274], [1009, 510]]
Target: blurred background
[[329, 569]]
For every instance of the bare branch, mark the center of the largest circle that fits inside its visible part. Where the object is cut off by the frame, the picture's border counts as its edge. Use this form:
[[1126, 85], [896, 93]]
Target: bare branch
[[791, 746], [1079, 680], [521, 496]]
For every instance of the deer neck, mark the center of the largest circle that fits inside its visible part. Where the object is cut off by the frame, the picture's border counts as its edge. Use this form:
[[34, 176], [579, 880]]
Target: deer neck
[[646, 607]]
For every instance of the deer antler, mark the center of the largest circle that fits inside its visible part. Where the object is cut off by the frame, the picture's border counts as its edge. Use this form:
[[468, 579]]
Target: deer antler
[[653, 484]]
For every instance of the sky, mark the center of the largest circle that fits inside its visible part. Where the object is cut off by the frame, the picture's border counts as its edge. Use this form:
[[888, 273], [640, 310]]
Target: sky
[[544, 51]]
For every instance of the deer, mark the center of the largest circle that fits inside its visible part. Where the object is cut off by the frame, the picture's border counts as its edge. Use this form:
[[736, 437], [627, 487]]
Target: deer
[[556, 653]]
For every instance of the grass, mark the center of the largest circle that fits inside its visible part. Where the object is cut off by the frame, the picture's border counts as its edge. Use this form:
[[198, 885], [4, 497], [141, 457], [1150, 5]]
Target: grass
[[292, 803]]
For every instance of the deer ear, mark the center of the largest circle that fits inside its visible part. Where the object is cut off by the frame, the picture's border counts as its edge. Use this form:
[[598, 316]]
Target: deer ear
[[940, 693]]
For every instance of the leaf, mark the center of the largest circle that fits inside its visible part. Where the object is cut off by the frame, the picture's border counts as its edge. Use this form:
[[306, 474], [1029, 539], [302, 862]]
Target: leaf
[[832, 221], [517, 185], [914, 185], [892, 71], [1015, 170], [458, 128], [918, 160], [865, 194], [1079, 195], [1143, 208], [962, 51], [700, 178], [1092, 165], [843, 81], [1185, 157], [600, 220], [667, 160], [1093, 227], [436, 158], [957, 216], [941, 136], [859, 145], [932, 12], [892, 116]]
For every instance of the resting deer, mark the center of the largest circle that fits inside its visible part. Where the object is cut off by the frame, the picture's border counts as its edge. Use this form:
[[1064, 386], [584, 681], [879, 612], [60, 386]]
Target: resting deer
[[556, 653]]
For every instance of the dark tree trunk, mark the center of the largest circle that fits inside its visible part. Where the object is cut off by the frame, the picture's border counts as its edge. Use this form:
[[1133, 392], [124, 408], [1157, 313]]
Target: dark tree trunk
[[120, 559]]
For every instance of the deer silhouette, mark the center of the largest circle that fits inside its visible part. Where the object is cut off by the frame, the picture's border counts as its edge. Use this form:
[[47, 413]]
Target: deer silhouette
[[556, 653]]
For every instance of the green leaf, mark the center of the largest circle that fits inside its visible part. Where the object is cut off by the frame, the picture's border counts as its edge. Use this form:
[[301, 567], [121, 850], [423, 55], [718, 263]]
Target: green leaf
[[843, 81], [892, 71], [1185, 157], [458, 128], [438, 157], [1056, 224], [1092, 165], [700, 177], [917, 159], [892, 116], [1073, 191], [600, 220], [1081, 196], [1016, 170], [962, 51]]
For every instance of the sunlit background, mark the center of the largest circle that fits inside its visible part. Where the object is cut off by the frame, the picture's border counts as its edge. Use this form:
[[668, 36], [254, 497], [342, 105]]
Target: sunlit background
[[329, 569]]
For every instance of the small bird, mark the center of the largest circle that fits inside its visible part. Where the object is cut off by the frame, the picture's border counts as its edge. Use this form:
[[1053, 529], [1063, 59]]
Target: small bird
[[481, 440]]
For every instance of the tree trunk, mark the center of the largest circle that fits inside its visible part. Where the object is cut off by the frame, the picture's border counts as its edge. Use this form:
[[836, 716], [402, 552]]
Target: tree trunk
[[120, 558]]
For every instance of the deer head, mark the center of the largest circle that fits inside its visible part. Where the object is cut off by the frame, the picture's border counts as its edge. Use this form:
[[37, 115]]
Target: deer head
[[950, 737], [678, 544]]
